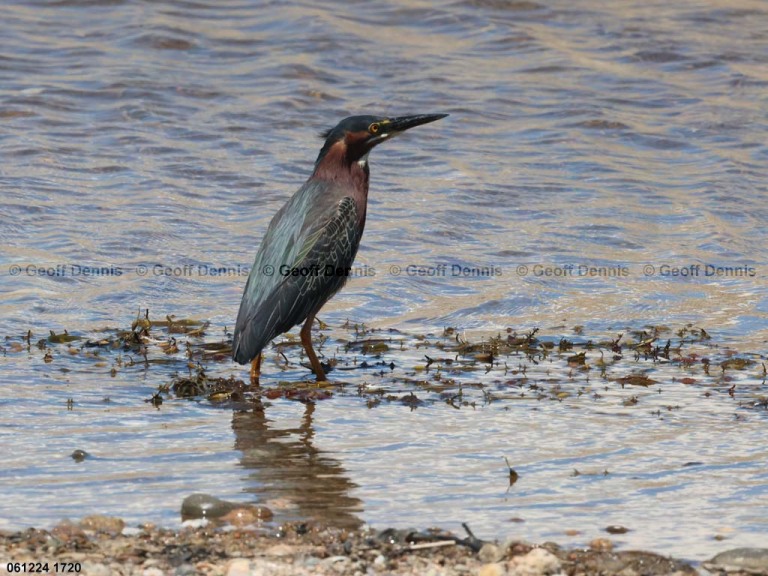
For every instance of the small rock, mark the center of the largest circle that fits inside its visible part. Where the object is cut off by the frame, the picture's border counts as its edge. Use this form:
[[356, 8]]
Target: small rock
[[334, 560], [616, 529], [281, 504], [102, 524], [491, 570], [628, 563], [199, 505], [517, 547], [152, 572], [279, 550], [79, 455], [96, 569], [601, 545], [247, 515], [490, 553], [339, 564], [738, 560], [538, 562], [379, 561], [67, 531], [239, 567]]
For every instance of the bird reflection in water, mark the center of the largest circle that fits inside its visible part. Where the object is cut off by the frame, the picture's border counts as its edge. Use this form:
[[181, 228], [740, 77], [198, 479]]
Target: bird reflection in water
[[290, 475]]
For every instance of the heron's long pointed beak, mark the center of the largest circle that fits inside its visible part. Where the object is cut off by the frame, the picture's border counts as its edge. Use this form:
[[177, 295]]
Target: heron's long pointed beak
[[403, 123]]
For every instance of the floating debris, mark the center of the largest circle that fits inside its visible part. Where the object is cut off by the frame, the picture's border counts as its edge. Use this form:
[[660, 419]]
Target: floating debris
[[419, 369], [737, 364], [62, 338], [513, 476], [636, 380]]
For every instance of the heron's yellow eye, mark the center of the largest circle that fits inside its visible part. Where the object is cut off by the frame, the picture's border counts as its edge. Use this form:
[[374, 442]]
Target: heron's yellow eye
[[374, 128]]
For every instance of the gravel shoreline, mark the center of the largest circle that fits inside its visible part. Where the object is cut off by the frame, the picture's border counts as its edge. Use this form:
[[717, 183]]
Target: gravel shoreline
[[102, 546]]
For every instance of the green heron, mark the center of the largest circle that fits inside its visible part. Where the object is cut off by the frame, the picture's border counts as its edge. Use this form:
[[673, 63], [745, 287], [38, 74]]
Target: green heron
[[307, 253]]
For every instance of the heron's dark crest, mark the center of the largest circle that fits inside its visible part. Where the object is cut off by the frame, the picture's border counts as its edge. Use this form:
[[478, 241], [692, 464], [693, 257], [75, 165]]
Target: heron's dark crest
[[352, 137]]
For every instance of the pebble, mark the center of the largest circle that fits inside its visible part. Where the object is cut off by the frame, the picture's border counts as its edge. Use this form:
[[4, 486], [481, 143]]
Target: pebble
[[747, 560], [338, 564], [538, 562], [281, 504], [67, 531], [239, 567], [102, 524], [247, 515], [95, 569], [204, 506], [79, 455], [334, 560], [302, 552], [490, 553], [601, 545], [279, 550], [491, 570]]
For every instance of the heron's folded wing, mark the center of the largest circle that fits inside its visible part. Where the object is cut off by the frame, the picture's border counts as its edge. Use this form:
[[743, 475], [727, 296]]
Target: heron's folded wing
[[274, 303]]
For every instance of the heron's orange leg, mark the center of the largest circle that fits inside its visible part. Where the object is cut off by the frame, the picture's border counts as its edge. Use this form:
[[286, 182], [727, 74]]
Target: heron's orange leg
[[306, 340], [256, 369]]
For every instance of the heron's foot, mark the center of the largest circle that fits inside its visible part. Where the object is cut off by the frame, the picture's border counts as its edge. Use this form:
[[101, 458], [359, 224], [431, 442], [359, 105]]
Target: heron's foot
[[320, 375], [319, 370]]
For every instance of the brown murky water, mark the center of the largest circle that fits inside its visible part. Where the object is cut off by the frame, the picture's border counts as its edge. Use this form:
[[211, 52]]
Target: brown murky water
[[606, 161]]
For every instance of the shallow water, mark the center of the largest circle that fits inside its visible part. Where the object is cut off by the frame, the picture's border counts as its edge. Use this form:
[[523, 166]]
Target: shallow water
[[156, 139]]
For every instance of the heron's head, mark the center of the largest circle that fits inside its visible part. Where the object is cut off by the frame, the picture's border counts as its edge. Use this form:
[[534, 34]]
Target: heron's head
[[354, 137]]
